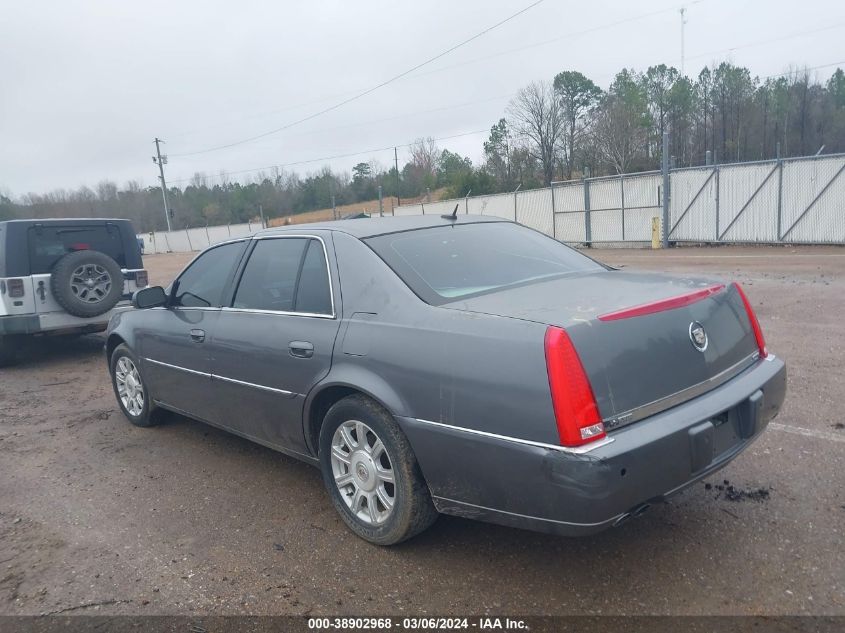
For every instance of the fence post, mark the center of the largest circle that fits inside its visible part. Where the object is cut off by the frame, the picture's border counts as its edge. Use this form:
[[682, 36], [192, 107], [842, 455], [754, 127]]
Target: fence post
[[466, 202], [514, 200], [229, 229], [188, 235], [622, 188], [422, 206], [554, 214], [588, 227], [207, 236], [718, 171], [780, 195], [666, 193], [380, 202]]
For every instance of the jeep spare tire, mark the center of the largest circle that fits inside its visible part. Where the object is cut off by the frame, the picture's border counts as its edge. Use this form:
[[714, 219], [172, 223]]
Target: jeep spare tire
[[87, 283]]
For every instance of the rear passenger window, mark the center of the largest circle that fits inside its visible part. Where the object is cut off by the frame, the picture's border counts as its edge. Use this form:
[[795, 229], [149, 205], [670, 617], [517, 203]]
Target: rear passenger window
[[285, 275], [269, 279], [203, 282], [314, 294]]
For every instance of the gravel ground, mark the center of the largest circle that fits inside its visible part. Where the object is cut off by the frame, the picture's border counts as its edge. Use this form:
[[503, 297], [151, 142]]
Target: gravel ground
[[97, 516]]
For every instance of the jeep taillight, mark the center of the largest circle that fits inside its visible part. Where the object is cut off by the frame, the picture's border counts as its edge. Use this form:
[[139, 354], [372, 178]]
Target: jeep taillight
[[141, 278], [15, 287], [575, 407], [755, 324]]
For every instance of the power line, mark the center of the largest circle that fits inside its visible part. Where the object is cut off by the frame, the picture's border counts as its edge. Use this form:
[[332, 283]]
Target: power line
[[565, 36], [769, 41], [799, 70], [409, 75], [336, 156], [367, 91], [407, 115]]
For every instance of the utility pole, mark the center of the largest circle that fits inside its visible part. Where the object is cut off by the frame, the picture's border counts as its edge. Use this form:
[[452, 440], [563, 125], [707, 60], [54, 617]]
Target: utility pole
[[161, 161], [683, 22], [396, 165]]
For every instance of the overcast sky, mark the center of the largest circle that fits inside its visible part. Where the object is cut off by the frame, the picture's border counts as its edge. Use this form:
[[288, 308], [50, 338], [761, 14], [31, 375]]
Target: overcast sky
[[86, 86]]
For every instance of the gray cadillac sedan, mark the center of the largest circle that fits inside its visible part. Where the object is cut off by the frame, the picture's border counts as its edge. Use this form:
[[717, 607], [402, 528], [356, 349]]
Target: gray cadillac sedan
[[465, 365]]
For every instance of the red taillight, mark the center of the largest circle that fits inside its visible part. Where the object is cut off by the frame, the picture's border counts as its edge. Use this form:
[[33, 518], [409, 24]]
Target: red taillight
[[15, 288], [141, 279], [576, 411], [755, 324], [662, 304]]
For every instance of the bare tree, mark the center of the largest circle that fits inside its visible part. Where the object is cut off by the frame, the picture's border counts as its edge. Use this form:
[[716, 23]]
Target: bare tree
[[618, 133], [425, 155], [536, 115]]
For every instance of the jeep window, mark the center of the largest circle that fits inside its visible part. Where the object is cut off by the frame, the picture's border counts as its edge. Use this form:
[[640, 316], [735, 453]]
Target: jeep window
[[452, 262], [285, 274], [48, 244], [203, 282]]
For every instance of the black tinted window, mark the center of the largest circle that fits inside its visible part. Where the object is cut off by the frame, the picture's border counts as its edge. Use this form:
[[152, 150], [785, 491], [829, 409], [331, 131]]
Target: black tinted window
[[202, 284], [313, 294], [49, 244], [451, 262], [269, 278]]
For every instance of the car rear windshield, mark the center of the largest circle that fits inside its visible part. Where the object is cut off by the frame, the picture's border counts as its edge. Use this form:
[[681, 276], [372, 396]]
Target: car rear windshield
[[443, 264], [48, 244]]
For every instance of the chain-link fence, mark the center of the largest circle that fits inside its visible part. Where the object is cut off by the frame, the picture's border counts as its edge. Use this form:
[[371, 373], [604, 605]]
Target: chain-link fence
[[795, 200]]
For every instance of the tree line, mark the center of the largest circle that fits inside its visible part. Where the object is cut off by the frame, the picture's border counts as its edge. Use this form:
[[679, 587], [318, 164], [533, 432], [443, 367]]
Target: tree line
[[562, 128]]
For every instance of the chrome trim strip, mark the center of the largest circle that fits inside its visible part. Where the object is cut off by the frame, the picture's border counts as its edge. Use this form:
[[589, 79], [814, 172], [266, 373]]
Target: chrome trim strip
[[315, 315], [178, 368], [578, 450], [328, 272], [223, 378], [625, 418], [252, 384], [527, 516]]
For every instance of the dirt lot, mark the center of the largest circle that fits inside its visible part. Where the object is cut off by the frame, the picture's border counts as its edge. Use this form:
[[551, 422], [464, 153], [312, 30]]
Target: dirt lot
[[97, 516]]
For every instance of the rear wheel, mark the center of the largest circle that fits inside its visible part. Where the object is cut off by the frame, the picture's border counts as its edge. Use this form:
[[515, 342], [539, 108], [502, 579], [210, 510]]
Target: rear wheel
[[372, 474], [129, 388]]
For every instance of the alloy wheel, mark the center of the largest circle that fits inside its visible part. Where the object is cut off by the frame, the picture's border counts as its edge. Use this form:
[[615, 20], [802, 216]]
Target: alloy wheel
[[90, 283], [130, 389], [363, 472]]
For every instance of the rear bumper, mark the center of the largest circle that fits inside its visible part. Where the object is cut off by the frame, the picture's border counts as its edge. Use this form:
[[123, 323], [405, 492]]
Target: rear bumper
[[56, 322], [535, 487]]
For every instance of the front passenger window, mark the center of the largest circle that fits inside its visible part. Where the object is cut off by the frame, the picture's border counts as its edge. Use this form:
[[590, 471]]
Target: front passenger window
[[203, 282]]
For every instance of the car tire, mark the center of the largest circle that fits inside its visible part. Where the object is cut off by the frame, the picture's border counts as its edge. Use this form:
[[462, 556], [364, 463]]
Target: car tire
[[127, 382], [87, 283], [353, 492], [9, 347]]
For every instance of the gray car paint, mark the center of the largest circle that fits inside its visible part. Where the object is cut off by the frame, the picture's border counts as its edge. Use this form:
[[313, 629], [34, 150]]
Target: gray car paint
[[467, 383]]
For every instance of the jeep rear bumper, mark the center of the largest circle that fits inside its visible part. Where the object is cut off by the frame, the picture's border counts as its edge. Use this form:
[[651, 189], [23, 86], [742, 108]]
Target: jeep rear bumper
[[56, 322]]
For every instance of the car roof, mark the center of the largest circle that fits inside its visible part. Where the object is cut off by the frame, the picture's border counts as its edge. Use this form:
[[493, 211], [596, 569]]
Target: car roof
[[369, 227], [34, 221]]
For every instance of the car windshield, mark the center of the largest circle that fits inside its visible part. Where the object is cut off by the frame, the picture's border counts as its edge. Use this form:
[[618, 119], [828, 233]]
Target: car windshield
[[452, 262]]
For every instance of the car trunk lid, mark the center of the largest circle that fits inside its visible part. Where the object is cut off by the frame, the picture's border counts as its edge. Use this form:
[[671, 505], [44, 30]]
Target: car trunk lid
[[640, 337]]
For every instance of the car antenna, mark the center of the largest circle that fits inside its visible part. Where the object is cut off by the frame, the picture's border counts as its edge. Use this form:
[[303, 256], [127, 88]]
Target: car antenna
[[452, 216]]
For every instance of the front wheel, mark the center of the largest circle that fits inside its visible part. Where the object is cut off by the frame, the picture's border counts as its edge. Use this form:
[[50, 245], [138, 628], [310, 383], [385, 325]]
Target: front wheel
[[129, 388], [372, 474]]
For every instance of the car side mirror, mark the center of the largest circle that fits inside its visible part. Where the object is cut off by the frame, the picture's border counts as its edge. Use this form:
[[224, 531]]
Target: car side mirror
[[151, 297]]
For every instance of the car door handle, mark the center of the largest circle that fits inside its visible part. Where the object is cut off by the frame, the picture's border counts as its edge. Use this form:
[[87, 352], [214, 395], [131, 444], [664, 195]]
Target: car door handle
[[197, 336], [301, 349]]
